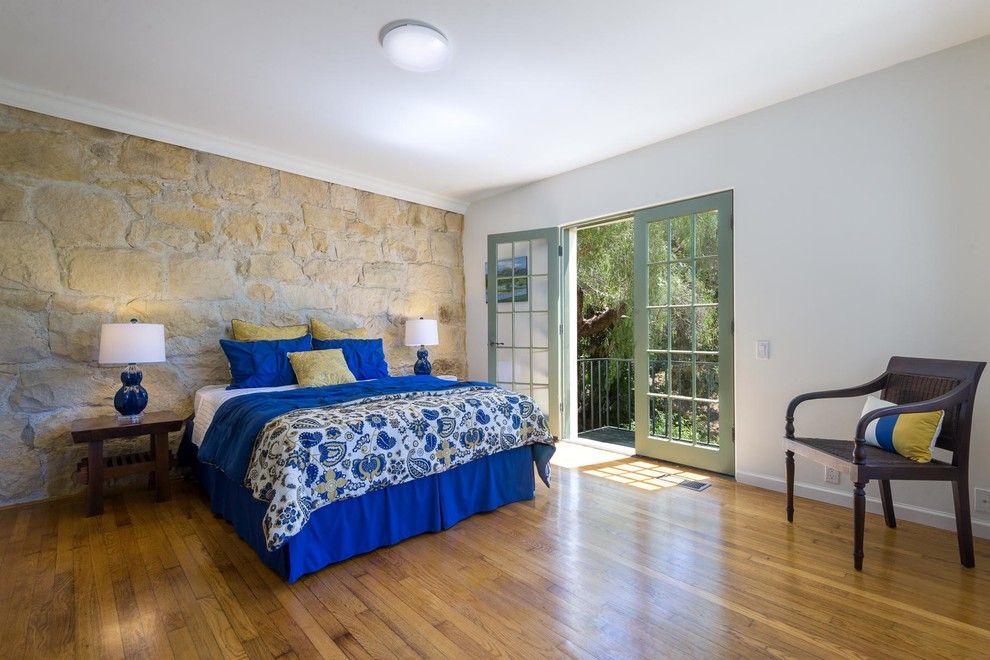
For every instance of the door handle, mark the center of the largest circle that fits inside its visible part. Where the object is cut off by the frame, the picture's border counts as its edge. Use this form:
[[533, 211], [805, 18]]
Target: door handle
[[496, 343]]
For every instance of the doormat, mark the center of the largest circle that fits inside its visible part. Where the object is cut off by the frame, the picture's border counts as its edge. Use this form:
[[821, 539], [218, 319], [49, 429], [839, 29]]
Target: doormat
[[695, 485]]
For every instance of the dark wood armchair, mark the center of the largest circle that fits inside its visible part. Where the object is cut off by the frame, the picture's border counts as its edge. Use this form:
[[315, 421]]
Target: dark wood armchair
[[915, 385]]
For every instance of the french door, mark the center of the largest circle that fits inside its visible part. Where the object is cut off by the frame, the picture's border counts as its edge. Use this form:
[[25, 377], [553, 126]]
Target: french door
[[523, 289], [683, 332]]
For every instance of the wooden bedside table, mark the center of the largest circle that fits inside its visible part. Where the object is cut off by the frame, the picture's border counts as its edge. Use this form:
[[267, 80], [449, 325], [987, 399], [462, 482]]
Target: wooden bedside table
[[156, 462]]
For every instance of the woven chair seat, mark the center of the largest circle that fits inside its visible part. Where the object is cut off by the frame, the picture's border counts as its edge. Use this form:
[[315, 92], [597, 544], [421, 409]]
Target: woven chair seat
[[843, 449]]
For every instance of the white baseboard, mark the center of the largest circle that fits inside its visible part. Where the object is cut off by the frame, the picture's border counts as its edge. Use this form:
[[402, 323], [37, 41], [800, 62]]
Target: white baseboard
[[910, 512]]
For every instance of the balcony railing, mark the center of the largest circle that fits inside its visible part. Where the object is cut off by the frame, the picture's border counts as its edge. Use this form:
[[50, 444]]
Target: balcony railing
[[606, 400], [605, 393]]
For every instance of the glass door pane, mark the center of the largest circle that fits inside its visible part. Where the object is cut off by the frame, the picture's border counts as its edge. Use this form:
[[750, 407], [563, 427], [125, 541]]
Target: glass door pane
[[683, 312], [523, 288]]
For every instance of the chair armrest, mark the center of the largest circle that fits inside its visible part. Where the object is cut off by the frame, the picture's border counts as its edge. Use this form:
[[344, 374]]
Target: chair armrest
[[859, 390], [953, 397]]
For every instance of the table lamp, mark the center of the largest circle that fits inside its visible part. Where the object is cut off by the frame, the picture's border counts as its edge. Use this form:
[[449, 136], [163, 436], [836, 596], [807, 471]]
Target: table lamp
[[130, 343], [422, 332]]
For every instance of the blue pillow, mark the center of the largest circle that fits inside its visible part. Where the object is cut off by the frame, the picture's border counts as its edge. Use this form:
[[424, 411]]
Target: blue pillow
[[263, 363], [365, 357]]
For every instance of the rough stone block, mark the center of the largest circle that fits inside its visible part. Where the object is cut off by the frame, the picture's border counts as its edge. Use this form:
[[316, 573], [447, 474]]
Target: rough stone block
[[200, 278], [235, 177], [27, 257], [430, 277], [446, 249], [261, 292], [454, 221], [344, 198], [334, 273], [115, 273], [181, 319], [317, 217], [384, 275], [20, 466], [244, 228], [82, 216], [426, 217], [158, 159], [206, 201], [11, 203], [163, 238], [76, 336], [303, 188], [307, 296], [274, 266], [187, 217], [63, 386], [41, 154], [23, 334], [379, 211]]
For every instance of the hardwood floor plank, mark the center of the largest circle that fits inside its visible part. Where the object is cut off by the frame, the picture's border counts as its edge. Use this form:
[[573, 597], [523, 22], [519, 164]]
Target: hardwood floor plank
[[592, 568]]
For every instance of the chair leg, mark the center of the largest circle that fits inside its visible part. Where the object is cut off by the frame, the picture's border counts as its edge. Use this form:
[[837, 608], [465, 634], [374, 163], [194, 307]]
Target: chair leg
[[888, 504], [789, 463], [859, 522], [964, 525]]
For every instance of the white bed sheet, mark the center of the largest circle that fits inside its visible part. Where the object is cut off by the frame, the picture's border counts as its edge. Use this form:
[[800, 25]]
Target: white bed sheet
[[208, 399]]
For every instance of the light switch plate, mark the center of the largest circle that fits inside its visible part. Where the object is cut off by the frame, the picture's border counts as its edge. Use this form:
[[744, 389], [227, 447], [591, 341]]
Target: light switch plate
[[762, 349]]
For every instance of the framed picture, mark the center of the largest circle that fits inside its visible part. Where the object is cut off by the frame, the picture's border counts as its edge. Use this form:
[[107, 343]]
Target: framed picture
[[511, 283]]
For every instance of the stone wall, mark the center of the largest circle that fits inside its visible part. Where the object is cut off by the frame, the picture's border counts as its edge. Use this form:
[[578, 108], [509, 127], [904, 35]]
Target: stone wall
[[96, 226]]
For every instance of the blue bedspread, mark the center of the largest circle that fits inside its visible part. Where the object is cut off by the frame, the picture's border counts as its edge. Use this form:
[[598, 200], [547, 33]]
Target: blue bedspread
[[229, 441]]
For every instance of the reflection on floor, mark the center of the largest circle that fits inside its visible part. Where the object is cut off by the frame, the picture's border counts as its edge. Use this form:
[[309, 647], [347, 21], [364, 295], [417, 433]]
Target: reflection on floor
[[612, 435]]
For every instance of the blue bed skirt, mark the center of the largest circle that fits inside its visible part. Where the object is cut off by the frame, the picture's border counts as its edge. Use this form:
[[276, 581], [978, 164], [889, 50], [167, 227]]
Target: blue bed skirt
[[384, 517]]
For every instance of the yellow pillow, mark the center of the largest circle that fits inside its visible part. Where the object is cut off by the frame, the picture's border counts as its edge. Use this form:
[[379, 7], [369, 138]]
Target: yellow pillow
[[324, 331], [244, 331], [316, 368]]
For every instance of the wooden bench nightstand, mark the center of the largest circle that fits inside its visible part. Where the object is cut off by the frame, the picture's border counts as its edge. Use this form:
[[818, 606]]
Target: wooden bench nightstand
[[94, 469]]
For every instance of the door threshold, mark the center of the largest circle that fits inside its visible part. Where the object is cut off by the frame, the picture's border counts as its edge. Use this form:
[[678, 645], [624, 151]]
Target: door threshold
[[604, 446]]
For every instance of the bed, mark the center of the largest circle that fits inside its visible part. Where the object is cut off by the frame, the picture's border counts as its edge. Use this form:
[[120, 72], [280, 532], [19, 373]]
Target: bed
[[309, 476]]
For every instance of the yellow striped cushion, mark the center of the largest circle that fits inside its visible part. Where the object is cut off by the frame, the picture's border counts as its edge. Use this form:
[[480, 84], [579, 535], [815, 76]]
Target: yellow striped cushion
[[244, 331], [911, 435], [317, 368], [325, 331]]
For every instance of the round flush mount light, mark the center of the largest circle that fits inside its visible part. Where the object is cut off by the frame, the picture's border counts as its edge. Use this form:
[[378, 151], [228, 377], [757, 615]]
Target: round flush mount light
[[414, 46]]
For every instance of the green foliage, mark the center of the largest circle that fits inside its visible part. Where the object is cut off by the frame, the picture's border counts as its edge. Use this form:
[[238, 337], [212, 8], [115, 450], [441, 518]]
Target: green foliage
[[682, 274], [604, 273]]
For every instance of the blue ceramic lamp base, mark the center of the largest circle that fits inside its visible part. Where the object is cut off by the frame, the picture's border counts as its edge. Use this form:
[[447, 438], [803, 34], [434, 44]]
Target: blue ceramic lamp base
[[422, 366], [131, 399]]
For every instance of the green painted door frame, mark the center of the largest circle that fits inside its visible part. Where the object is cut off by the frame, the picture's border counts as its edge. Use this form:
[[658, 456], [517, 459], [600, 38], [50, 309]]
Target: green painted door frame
[[524, 329], [677, 424]]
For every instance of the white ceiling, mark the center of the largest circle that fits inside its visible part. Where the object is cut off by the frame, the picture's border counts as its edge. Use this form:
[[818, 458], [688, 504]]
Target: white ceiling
[[534, 88]]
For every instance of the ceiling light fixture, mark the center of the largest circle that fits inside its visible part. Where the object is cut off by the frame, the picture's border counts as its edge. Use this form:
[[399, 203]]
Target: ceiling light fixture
[[414, 46]]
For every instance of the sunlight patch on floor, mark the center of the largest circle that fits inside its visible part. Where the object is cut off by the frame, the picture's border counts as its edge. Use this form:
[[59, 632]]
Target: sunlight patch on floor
[[570, 455], [641, 474]]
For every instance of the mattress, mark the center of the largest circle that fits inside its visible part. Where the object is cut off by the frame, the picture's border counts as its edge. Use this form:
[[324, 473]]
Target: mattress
[[209, 399]]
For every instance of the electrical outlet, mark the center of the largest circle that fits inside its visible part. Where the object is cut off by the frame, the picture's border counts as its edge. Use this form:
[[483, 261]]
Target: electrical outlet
[[831, 475], [762, 349], [982, 497]]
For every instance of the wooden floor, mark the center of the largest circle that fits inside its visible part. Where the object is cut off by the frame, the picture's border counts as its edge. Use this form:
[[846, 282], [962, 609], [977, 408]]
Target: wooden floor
[[606, 564]]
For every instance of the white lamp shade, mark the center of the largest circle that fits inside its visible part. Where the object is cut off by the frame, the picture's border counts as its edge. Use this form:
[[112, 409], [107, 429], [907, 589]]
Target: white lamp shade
[[126, 343], [421, 332]]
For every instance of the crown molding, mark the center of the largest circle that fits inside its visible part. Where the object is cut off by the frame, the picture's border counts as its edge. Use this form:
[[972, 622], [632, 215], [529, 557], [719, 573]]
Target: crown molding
[[95, 114]]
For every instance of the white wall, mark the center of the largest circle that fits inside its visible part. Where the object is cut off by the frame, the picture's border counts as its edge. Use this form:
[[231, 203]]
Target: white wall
[[862, 230]]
